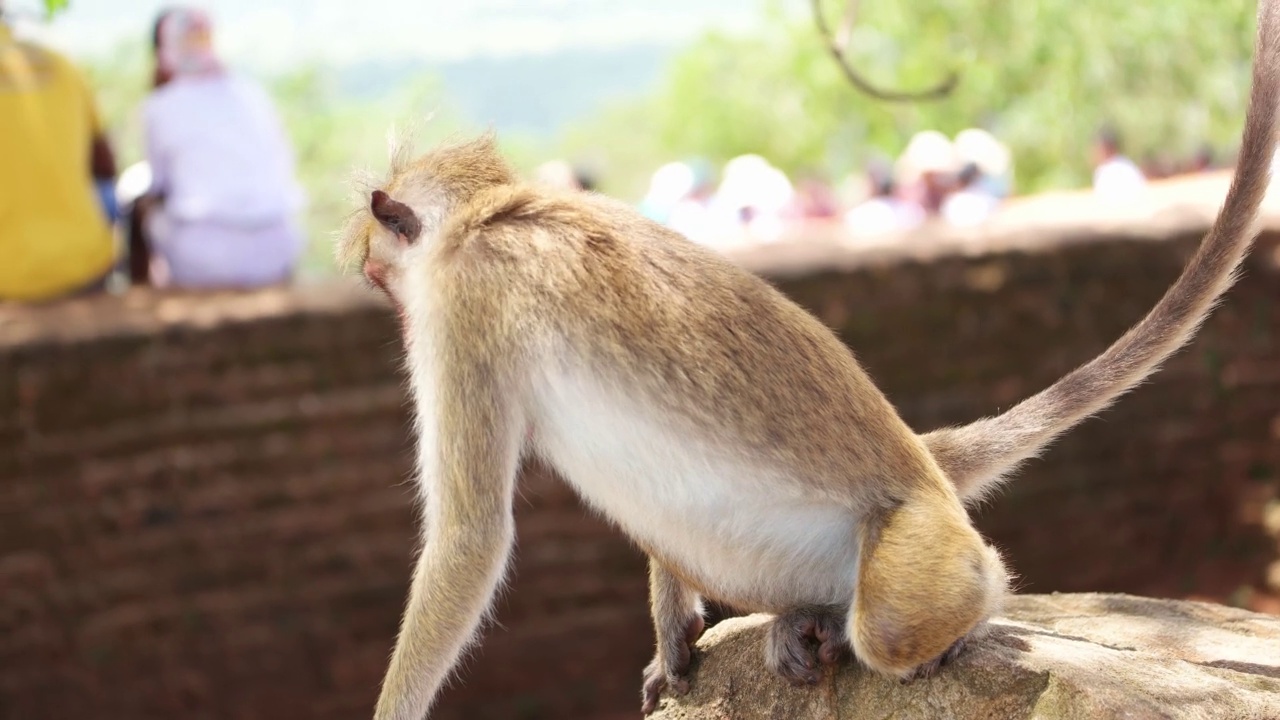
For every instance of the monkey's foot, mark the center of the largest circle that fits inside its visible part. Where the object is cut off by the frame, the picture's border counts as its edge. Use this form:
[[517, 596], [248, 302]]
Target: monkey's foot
[[803, 640], [931, 668], [669, 672]]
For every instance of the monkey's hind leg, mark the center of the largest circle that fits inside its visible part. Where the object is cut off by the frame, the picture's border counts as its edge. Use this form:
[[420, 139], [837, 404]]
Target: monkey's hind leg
[[800, 641], [926, 582], [678, 622]]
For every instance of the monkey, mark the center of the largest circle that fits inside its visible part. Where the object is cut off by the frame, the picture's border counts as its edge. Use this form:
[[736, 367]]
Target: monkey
[[725, 430]]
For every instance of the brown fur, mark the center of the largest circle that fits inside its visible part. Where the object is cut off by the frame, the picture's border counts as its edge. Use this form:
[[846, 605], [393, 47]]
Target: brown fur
[[504, 285]]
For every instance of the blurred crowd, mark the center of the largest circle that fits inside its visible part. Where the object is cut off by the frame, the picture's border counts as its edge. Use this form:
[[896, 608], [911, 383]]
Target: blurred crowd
[[960, 181]]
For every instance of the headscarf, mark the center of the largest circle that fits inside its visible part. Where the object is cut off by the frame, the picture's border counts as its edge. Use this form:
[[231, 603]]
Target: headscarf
[[184, 44]]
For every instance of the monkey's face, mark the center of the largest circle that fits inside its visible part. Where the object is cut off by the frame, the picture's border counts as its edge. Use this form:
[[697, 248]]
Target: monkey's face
[[403, 215]]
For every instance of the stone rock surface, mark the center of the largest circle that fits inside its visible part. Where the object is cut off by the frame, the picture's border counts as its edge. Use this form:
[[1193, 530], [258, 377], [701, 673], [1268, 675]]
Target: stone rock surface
[[1050, 657]]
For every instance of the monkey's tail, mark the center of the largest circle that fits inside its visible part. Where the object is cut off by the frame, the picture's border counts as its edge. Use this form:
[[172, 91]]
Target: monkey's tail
[[978, 456]]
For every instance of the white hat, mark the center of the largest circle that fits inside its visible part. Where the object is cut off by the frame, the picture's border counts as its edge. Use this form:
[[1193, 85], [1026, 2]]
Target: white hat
[[670, 183], [928, 151], [750, 181], [982, 149]]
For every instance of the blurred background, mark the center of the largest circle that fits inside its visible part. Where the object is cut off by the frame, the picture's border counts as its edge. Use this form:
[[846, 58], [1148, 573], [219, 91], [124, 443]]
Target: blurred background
[[618, 91], [205, 499]]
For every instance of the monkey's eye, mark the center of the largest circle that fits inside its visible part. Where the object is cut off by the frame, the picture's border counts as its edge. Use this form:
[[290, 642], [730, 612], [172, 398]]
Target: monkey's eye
[[395, 216]]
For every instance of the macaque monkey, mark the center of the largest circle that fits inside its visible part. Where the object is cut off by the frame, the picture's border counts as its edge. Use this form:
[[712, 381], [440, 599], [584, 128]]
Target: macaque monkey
[[725, 430]]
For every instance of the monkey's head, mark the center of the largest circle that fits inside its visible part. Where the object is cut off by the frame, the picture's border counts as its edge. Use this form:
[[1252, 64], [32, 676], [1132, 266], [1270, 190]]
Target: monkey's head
[[407, 211]]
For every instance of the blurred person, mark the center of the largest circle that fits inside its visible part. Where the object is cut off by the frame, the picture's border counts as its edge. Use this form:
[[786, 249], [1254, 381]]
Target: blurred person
[[926, 168], [557, 174], [1114, 175], [754, 196], [223, 203], [883, 212], [815, 199], [970, 203], [668, 185], [1149, 166], [131, 193], [993, 159], [585, 178], [690, 215], [1157, 166], [853, 189], [55, 229], [1203, 159]]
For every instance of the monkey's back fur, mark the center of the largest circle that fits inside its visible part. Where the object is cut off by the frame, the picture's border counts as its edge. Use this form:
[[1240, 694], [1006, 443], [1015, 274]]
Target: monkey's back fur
[[667, 383]]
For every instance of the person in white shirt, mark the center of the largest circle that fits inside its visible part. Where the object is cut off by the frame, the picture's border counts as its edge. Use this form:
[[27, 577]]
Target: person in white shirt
[[223, 202], [1114, 175]]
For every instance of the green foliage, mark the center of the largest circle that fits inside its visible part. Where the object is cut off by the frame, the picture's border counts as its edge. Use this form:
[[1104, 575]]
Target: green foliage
[[54, 6], [1042, 75]]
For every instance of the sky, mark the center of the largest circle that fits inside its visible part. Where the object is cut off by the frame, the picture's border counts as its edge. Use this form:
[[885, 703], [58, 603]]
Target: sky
[[277, 34]]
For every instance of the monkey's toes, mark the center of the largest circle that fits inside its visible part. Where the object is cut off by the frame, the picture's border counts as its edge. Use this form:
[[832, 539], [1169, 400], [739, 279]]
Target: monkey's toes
[[654, 684], [658, 680], [801, 641], [671, 676], [929, 669]]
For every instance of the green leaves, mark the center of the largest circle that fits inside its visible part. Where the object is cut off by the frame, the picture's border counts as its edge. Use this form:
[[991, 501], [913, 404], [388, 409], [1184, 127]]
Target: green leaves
[[52, 7]]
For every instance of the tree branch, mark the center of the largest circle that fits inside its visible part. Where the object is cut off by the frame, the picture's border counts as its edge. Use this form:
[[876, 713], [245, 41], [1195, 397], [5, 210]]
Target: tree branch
[[837, 45]]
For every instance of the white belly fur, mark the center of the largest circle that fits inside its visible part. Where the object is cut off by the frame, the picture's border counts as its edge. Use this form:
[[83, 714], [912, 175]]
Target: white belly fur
[[748, 537]]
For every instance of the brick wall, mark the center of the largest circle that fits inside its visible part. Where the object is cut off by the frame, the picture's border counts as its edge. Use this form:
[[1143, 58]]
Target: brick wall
[[205, 511]]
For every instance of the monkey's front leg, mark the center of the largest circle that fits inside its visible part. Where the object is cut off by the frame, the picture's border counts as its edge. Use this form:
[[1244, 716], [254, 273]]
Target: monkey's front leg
[[677, 621], [470, 447]]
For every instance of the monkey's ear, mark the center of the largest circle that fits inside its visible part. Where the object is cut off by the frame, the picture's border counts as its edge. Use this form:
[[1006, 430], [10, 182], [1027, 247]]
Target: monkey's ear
[[395, 216]]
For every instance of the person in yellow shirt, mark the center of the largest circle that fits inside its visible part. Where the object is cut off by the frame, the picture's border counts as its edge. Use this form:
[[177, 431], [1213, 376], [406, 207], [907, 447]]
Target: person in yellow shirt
[[55, 238]]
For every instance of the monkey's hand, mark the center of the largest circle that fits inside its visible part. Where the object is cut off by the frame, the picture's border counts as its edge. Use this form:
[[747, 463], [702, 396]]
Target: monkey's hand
[[669, 670], [802, 640]]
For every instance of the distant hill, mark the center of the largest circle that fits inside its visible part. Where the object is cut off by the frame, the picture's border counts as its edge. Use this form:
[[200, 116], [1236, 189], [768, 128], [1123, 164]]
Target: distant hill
[[529, 94]]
